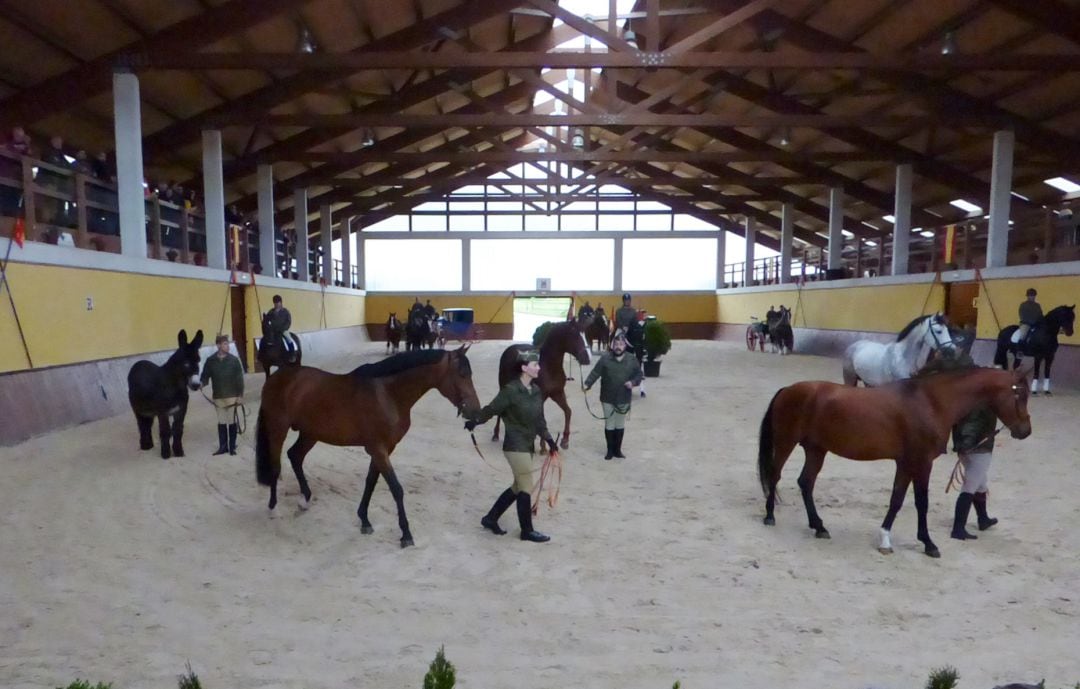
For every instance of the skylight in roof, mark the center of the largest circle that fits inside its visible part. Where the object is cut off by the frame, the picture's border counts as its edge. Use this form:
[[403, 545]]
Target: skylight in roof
[[594, 8], [1066, 185], [966, 206]]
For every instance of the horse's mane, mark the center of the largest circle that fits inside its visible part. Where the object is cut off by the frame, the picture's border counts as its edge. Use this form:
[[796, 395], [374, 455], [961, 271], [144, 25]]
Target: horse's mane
[[911, 326], [399, 362]]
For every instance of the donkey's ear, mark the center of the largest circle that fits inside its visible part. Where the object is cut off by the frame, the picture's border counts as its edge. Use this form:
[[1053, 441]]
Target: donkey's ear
[[197, 342], [464, 348], [181, 338]]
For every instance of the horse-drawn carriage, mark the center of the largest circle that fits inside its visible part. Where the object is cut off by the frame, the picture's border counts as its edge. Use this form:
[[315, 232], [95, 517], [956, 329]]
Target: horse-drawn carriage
[[456, 324], [756, 334]]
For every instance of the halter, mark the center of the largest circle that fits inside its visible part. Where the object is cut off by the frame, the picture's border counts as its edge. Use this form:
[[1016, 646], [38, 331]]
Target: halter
[[937, 341]]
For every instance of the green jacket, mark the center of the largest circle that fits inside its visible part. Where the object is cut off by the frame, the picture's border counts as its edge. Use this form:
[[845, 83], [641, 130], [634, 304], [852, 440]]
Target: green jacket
[[625, 316], [613, 374], [1030, 312], [522, 411], [975, 432], [227, 375], [280, 321]]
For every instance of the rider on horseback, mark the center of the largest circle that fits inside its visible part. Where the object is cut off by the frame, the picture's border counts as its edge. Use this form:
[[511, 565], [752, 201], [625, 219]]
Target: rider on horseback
[[585, 312], [626, 314], [280, 320], [1030, 314]]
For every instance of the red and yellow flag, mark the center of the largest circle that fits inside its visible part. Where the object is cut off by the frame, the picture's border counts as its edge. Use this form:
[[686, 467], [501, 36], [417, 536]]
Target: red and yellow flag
[[950, 243], [18, 233]]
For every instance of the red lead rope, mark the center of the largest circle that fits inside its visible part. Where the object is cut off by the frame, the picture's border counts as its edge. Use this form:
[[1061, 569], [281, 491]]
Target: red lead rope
[[551, 469]]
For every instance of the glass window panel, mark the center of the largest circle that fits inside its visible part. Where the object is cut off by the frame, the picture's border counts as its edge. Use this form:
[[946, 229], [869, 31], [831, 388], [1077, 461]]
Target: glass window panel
[[613, 189], [648, 222], [617, 223], [542, 222], [504, 223], [582, 206], [429, 223], [397, 265], [579, 223], [470, 189], [395, 223], [652, 206], [669, 264], [688, 222], [467, 206], [616, 205], [466, 223], [572, 264], [439, 206], [514, 206]]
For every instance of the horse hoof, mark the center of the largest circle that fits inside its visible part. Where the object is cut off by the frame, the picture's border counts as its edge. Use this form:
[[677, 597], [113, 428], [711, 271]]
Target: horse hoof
[[1048, 393], [178, 453], [149, 446], [565, 444], [406, 542], [932, 551], [885, 551], [165, 454], [366, 529], [303, 503], [769, 521], [822, 533], [272, 504]]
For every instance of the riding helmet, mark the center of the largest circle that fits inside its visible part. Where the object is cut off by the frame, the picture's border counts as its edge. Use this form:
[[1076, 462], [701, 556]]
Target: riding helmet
[[626, 296]]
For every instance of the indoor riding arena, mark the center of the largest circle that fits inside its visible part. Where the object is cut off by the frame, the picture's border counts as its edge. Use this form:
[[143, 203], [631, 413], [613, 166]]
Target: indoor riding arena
[[747, 195]]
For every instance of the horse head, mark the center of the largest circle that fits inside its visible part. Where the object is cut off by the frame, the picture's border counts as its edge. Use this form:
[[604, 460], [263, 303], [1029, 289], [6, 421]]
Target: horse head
[[1010, 402], [185, 360], [392, 321], [1062, 318], [931, 331], [457, 386], [573, 341]]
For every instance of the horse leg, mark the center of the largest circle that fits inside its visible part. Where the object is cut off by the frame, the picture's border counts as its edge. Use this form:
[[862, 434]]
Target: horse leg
[[782, 448], [146, 431], [165, 435], [369, 488], [399, 498], [1046, 374], [178, 432], [900, 485], [296, 454], [922, 504], [560, 399], [815, 458]]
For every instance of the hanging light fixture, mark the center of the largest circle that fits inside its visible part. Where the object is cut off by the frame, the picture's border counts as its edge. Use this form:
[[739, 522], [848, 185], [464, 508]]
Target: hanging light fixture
[[369, 139], [631, 38], [785, 137], [578, 139], [948, 44]]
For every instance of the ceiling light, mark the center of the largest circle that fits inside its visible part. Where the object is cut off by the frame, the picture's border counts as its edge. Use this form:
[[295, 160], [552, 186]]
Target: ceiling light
[[927, 233], [889, 218], [578, 139], [785, 137], [1066, 185], [1020, 196], [966, 206], [948, 44], [306, 42], [631, 38]]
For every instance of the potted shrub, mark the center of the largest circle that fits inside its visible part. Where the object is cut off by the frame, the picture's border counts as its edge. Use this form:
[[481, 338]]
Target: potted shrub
[[657, 344]]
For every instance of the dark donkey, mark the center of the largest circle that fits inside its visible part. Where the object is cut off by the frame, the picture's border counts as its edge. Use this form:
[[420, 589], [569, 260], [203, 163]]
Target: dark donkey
[[369, 406], [908, 421], [563, 338], [162, 391]]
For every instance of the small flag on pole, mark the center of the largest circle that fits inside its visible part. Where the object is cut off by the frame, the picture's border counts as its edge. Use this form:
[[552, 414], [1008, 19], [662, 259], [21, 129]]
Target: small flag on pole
[[19, 232]]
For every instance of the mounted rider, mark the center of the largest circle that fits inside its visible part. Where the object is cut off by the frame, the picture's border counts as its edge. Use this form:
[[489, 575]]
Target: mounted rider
[[1030, 314], [626, 315], [279, 320]]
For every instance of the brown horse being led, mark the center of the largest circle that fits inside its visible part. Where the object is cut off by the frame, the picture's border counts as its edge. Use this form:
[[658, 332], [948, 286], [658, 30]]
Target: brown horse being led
[[368, 407], [563, 338], [908, 421]]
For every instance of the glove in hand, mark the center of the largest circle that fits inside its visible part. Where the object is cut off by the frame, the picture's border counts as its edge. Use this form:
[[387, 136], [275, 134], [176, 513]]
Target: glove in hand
[[470, 425]]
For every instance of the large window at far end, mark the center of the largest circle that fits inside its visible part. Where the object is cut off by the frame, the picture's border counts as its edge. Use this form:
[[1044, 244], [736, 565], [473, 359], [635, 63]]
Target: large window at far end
[[669, 264], [408, 265], [514, 264]]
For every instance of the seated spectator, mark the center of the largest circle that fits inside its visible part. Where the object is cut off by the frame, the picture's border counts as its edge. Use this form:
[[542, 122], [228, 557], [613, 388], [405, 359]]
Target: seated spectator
[[19, 143], [54, 154], [232, 215], [101, 168], [82, 163]]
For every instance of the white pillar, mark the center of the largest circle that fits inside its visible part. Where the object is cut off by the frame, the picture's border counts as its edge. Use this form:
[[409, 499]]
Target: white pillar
[[127, 120], [267, 238], [346, 252], [300, 221], [361, 275], [787, 237], [836, 228], [997, 245], [748, 266], [901, 220], [213, 198], [618, 286], [721, 258], [466, 265], [326, 240]]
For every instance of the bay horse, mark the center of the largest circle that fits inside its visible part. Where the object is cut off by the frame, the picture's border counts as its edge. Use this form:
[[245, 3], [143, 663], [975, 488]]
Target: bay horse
[[908, 421], [417, 330], [563, 338], [273, 353], [162, 391], [780, 334], [875, 363], [598, 330], [393, 333], [368, 407], [1042, 344]]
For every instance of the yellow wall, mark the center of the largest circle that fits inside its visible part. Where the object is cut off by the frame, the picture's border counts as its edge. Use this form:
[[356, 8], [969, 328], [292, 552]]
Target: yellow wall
[[880, 308], [674, 308], [1005, 297], [135, 314]]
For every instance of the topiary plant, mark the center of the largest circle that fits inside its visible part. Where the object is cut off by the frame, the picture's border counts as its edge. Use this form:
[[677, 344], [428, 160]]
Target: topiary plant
[[83, 684], [440, 674], [541, 333], [657, 339]]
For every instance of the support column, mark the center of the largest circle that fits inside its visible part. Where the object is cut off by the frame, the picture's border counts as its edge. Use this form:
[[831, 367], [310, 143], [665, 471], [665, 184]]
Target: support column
[[300, 222], [997, 243], [213, 199], [836, 228], [346, 252], [361, 277], [721, 258], [326, 240], [267, 235], [466, 265], [127, 120], [748, 267], [787, 237], [901, 220], [618, 286]]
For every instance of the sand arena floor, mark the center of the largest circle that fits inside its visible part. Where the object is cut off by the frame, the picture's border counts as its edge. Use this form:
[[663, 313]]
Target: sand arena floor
[[119, 567]]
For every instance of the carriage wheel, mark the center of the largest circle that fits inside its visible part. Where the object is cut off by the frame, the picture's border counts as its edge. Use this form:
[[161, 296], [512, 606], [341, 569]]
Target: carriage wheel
[[751, 338]]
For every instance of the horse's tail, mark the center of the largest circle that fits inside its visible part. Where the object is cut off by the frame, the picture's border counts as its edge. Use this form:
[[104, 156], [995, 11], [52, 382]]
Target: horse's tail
[[266, 469], [1001, 354], [766, 471]]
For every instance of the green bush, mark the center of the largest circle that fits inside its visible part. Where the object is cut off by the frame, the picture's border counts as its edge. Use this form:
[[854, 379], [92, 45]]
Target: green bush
[[943, 678], [541, 333], [657, 339], [188, 680], [83, 684], [441, 673]]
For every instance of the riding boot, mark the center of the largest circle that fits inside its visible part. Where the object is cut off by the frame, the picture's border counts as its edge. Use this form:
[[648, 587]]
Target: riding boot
[[610, 436], [232, 438], [985, 521], [222, 440], [963, 509], [617, 442], [490, 521], [524, 510]]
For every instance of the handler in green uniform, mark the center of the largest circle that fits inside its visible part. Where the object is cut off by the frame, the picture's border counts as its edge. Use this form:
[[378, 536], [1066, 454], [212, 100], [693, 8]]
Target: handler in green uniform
[[618, 373], [521, 407], [626, 315], [227, 375]]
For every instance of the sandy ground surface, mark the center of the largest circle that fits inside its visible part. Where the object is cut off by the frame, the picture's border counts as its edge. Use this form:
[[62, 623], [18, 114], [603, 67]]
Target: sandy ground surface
[[120, 567]]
